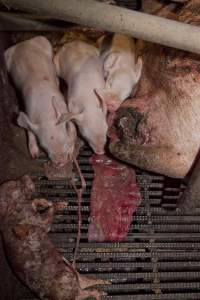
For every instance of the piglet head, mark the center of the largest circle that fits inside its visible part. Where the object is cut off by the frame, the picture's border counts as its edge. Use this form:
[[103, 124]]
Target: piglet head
[[57, 139], [94, 130], [92, 124], [120, 83], [110, 98]]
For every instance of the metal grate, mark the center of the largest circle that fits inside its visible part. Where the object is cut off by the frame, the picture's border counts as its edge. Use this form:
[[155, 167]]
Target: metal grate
[[160, 259]]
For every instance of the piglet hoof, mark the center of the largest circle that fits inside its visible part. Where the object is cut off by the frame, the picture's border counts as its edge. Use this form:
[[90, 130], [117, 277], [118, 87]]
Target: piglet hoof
[[46, 211], [41, 204], [86, 282], [60, 206], [90, 293], [29, 186], [34, 150], [34, 154]]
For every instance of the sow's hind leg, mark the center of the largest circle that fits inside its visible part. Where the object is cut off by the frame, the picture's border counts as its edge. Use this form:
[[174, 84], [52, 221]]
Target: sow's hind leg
[[164, 160], [138, 145], [33, 145], [190, 198]]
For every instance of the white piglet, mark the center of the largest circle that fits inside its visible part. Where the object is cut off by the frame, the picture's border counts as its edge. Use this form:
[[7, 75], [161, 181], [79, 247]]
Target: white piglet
[[122, 70], [30, 64], [78, 63]]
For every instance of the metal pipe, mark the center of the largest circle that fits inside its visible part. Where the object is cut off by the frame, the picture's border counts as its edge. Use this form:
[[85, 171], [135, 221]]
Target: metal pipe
[[116, 19], [15, 22]]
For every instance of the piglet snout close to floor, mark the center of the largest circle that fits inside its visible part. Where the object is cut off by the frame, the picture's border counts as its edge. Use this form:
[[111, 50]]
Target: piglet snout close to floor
[[78, 63], [33, 72]]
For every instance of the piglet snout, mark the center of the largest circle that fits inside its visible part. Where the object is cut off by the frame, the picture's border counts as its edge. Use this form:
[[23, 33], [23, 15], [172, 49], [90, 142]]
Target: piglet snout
[[98, 148], [60, 161], [99, 151]]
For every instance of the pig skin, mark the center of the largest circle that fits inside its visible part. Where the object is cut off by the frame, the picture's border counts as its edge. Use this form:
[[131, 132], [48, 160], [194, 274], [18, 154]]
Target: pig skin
[[78, 63], [159, 129], [66, 172], [114, 198], [32, 70], [32, 256], [122, 69]]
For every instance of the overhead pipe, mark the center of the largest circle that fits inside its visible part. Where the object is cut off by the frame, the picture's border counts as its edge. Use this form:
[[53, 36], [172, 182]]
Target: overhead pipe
[[116, 19], [17, 22]]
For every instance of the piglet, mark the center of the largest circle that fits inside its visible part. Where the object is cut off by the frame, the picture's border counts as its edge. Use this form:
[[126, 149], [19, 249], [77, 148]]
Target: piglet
[[122, 70], [33, 72], [78, 63], [31, 254]]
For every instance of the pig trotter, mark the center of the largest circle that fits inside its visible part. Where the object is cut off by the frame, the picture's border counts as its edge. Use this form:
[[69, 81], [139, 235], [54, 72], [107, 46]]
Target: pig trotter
[[47, 212], [86, 282], [92, 293], [186, 203], [41, 203], [113, 105], [190, 198]]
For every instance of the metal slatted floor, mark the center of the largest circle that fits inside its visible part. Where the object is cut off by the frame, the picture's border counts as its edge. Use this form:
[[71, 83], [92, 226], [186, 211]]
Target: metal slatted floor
[[160, 258]]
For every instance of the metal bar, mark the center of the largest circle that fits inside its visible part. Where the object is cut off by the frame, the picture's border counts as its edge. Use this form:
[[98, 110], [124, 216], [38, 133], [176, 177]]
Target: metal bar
[[125, 246], [170, 256], [130, 266], [112, 18], [14, 22], [160, 255], [171, 296]]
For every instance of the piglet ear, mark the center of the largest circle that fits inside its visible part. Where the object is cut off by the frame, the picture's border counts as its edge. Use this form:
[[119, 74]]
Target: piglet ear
[[8, 55], [111, 60], [58, 106], [101, 95], [24, 121], [57, 63], [66, 117], [99, 42], [138, 69]]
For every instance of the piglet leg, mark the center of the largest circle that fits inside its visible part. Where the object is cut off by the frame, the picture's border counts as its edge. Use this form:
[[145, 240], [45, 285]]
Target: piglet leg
[[49, 210], [90, 293], [33, 145], [113, 104], [86, 282], [47, 216]]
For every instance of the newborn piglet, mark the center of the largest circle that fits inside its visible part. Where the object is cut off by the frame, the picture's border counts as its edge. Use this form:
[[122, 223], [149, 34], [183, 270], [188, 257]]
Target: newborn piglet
[[78, 63], [31, 254], [33, 72], [122, 70]]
